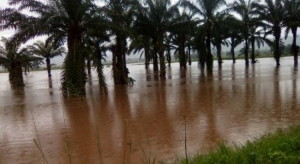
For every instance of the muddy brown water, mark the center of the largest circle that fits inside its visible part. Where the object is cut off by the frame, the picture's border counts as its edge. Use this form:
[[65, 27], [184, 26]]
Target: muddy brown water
[[145, 121]]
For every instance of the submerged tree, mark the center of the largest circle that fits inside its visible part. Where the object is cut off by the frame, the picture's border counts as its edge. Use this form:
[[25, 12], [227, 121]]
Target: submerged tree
[[292, 22], [233, 34], [47, 51], [273, 13], [13, 58], [142, 43], [220, 31]]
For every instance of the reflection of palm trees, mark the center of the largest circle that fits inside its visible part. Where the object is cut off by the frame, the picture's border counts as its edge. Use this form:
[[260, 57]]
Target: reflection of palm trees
[[80, 130], [294, 94], [212, 135], [50, 82], [233, 71], [148, 75], [50, 85], [220, 72], [277, 93], [169, 72], [123, 119], [19, 99], [183, 73]]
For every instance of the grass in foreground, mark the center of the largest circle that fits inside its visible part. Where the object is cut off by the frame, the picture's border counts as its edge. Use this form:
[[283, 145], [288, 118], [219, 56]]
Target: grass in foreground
[[281, 147]]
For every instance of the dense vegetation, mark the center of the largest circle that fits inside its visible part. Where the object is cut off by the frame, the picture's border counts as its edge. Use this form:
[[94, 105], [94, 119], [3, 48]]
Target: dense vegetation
[[155, 27], [280, 147]]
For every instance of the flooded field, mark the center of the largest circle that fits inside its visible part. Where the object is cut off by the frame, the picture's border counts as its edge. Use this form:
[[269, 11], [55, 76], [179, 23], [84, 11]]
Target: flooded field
[[146, 120]]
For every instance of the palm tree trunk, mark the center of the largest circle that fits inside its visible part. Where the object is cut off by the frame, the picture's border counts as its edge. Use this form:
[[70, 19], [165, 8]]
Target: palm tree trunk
[[16, 74], [12, 72], [219, 53], [169, 56], [155, 60], [277, 48], [189, 49], [202, 53], [232, 50], [88, 65], [209, 57], [253, 49], [294, 46], [48, 63], [246, 52], [99, 68], [147, 56], [182, 56], [73, 77], [120, 71], [277, 53], [162, 61]]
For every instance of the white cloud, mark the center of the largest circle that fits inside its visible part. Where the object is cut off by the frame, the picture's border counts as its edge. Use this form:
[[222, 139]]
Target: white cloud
[[5, 33]]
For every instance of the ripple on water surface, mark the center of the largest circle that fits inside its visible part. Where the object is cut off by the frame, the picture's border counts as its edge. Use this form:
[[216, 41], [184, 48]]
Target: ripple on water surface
[[146, 120]]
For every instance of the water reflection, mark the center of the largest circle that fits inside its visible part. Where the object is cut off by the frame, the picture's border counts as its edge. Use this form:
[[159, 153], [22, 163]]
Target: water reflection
[[233, 103], [50, 82]]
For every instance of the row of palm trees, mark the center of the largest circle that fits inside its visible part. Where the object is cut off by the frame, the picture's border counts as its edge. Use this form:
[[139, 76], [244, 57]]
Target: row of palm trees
[[154, 27]]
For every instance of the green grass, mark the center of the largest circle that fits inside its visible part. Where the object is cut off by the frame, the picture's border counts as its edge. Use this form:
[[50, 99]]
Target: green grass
[[281, 147]]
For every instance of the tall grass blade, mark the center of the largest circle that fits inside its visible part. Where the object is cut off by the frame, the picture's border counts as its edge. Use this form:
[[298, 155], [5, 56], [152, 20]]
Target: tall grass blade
[[40, 150], [69, 152], [185, 142], [124, 153], [99, 147], [130, 148]]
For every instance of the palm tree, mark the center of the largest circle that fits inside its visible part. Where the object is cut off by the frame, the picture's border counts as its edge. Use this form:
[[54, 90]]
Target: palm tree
[[234, 36], [181, 29], [98, 53], [12, 57], [207, 9], [256, 36], [220, 30], [247, 12], [292, 22], [119, 15], [141, 43], [154, 20], [273, 13], [47, 51], [168, 46], [198, 44], [62, 20], [95, 50]]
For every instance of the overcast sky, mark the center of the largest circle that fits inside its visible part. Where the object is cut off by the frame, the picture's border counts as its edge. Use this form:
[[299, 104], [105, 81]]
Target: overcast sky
[[6, 33]]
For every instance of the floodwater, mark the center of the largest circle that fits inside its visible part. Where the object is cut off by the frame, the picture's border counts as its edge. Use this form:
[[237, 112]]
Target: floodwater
[[146, 120]]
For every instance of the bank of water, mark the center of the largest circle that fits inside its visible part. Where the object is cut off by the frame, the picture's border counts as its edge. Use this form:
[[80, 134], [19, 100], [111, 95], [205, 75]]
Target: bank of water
[[283, 146], [145, 121]]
